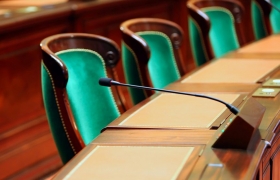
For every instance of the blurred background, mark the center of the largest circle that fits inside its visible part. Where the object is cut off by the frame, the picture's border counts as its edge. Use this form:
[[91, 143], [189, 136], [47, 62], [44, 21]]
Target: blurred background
[[27, 150]]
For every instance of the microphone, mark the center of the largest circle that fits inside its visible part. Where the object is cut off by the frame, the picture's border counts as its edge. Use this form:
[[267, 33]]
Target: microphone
[[108, 82], [272, 5], [246, 120]]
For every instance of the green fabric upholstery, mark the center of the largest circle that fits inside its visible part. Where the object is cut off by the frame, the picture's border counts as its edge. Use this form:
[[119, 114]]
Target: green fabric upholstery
[[132, 74], [162, 65], [196, 40], [275, 16], [55, 123], [222, 32], [93, 106], [258, 21]]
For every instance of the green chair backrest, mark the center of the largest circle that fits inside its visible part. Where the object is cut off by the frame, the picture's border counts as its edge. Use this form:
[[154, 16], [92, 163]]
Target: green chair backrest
[[222, 33], [162, 65], [258, 21], [197, 46], [275, 16], [93, 106]]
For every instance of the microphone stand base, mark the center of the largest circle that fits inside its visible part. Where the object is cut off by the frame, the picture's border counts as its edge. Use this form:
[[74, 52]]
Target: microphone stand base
[[242, 132]]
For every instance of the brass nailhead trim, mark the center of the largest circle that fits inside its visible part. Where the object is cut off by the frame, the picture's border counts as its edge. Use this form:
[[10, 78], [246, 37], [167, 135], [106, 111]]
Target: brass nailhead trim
[[61, 118]]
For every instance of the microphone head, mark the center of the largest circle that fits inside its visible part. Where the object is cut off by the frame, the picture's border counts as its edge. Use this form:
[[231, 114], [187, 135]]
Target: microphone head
[[105, 82]]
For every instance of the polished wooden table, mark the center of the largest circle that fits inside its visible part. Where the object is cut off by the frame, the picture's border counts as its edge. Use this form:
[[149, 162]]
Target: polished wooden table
[[267, 48], [153, 140]]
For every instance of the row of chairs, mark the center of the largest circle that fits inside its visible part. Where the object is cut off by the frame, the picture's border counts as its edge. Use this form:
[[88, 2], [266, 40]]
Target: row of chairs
[[217, 27], [78, 108]]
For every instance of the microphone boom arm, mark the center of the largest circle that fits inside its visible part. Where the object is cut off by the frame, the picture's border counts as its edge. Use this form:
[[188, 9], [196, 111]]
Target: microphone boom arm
[[109, 82], [247, 119]]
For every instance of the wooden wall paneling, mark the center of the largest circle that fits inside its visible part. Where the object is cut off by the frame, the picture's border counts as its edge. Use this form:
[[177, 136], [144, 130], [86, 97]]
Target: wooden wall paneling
[[275, 159], [21, 135], [25, 136], [257, 176], [41, 170], [267, 173], [265, 165], [20, 77], [269, 168], [27, 155], [17, 142], [20, 73]]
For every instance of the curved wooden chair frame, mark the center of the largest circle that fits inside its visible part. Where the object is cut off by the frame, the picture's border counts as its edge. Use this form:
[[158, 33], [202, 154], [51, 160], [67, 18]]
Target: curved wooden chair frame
[[266, 9], [236, 9], [141, 49], [109, 51]]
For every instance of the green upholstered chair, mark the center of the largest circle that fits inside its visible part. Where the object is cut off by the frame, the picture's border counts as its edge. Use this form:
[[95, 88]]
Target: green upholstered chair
[[77, 107], [199, 50], [151, 54], [270, 15], [260, 18], [275, 16], [219, 23]]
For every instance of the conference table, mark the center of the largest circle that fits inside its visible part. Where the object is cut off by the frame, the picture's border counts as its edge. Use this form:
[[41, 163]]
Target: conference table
[[170, 136], [267, 48]]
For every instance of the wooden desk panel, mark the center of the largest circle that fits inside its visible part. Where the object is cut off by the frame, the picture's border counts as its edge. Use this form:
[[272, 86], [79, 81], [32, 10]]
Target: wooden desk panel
[[271, 104], [228, 163], [248, 56], [150, 139], [137, 162], [269, 45], [113, 136], [267, 48], [179, 112], [219, 163], [232, 71], [224, 88], [214, 163], [271, 113]]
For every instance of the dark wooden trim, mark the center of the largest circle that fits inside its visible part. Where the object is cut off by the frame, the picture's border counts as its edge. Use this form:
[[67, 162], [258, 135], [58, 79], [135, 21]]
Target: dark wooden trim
[[141, 49], [59, 74], [235, 7], [266, 9]]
